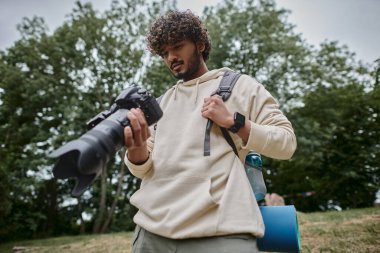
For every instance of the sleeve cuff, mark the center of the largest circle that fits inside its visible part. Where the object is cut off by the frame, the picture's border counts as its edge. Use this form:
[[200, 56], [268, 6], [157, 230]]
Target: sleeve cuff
[[271, 141], [141, 169], [258, 138]]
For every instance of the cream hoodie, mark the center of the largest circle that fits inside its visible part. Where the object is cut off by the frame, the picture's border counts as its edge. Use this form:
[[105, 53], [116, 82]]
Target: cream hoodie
[[184, 194]]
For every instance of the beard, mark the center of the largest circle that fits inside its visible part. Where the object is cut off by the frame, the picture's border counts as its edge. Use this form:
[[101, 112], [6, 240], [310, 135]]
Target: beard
[[193, 66]]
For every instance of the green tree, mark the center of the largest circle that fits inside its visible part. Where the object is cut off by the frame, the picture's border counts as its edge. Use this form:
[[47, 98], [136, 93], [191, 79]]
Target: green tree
[[337, 128], [50, 85], [255, 38]]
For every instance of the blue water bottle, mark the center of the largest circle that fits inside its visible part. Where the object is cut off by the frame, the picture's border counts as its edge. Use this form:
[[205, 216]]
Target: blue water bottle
[[254, 169]]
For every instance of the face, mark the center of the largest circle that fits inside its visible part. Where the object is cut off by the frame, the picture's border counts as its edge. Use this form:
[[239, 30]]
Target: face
[[184, 59]]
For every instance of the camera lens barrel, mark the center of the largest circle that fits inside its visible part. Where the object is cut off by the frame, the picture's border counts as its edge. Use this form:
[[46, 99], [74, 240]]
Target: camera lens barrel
[[85, 157]]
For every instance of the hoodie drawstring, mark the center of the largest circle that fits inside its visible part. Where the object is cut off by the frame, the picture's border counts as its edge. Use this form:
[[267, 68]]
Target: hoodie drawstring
[[197, 91], [176, 88]]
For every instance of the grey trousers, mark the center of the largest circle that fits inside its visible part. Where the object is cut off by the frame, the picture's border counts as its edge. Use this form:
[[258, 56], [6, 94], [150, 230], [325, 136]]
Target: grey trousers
[[146, 242]]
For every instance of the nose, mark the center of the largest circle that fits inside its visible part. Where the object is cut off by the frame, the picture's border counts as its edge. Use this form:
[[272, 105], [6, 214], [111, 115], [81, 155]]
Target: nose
[[171, 57]]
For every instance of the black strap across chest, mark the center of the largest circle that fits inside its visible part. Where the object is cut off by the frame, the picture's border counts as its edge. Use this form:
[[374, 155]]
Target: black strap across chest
[[224, 90]]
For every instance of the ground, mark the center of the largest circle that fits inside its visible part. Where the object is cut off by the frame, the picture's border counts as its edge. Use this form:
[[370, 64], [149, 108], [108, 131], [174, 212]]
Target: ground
[[351, 231]]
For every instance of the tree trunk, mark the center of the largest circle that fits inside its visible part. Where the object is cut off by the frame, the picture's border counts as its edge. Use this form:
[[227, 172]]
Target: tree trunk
[[82, 228], [102, 202], [118, 192]]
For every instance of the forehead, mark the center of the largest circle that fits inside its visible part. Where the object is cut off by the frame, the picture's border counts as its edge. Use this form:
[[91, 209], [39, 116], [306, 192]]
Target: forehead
[[169, 46]]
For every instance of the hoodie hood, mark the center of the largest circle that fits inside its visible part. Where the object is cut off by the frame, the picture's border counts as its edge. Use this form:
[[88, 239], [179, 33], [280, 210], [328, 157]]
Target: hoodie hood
[[212, 74]]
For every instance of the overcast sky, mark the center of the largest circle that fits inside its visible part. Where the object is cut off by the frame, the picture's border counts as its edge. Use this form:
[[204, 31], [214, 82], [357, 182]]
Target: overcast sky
[[355, 23]]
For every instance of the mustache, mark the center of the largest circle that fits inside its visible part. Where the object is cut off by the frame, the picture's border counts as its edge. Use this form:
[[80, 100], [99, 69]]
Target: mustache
[[175, 63]]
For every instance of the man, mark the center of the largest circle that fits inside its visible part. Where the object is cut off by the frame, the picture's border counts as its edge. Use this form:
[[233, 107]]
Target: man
[[188, 201]]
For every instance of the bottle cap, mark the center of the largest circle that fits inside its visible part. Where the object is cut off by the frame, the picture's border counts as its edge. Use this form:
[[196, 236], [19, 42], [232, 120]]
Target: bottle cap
[[254, 159]]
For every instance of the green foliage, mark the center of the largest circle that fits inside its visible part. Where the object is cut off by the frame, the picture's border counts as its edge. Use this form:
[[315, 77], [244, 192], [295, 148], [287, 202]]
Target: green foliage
[[51, 84], [158, 77], [254, 37], [338, 132]]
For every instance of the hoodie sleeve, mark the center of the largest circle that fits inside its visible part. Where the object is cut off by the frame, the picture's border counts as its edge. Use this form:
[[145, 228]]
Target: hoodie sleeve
[[142, 169], [271, 132]]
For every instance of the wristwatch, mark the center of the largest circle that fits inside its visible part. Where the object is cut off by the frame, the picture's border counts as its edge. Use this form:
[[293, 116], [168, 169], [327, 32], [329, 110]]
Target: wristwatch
[[239, 121]]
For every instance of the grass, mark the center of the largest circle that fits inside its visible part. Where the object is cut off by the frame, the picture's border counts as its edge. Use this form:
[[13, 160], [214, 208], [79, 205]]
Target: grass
[[118, 242], [352, 231]]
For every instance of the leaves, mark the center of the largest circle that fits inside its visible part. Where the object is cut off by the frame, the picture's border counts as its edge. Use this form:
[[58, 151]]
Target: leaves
[[50, 85]]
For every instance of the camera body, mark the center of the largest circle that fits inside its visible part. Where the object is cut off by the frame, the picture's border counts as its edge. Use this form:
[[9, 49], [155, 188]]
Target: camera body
[[85, 157], [133, 97]]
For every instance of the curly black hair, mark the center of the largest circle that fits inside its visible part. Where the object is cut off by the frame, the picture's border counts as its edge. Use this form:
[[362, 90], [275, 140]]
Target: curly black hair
[[174, 27]]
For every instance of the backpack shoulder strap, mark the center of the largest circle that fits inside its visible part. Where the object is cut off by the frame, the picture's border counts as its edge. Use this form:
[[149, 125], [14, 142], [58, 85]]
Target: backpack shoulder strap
[[224, 90], [227, 84]]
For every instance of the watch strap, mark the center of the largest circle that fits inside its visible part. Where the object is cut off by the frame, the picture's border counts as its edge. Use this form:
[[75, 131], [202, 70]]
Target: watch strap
[[239, 121]]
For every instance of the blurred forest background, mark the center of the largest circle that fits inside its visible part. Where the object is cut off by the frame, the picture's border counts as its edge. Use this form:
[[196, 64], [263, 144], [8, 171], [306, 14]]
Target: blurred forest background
[[52, 84]]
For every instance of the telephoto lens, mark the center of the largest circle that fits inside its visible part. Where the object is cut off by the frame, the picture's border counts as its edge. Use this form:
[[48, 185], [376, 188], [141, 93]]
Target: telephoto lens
[[85, 157]]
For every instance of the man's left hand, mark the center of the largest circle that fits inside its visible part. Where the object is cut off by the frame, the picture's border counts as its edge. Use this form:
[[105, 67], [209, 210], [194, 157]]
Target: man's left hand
[[214, 109]]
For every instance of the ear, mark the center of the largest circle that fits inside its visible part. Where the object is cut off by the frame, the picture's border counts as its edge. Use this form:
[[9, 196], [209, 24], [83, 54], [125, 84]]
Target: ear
[[201, 46]]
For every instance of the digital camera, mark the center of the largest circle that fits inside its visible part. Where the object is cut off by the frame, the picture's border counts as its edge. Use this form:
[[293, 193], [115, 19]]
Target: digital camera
[[85, 157]]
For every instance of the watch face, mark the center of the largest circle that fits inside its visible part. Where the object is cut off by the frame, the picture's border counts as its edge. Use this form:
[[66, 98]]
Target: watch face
[[239, 119]]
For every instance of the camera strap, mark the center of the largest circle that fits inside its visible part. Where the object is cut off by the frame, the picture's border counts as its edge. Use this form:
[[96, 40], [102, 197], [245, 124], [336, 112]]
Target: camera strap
[[224, 90]]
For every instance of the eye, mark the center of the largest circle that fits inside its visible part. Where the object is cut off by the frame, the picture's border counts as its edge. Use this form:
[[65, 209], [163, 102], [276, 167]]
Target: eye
[[178, 46], [164, 54]]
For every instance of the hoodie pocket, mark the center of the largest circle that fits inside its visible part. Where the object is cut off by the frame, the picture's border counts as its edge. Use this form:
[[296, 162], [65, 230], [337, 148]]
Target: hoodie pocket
[[175, 201]]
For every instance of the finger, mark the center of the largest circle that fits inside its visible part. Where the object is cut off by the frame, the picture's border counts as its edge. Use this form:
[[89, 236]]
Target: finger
[[128, 137], [204, 113], [204, 108], [209, 104], [147, 130], [139, 139], [216, 99], [207, 101], [136, 128], [143, 124], [208, 113]]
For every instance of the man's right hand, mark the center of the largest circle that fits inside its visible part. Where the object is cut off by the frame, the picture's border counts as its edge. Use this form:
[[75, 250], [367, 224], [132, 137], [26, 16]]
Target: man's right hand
[[135, 137]]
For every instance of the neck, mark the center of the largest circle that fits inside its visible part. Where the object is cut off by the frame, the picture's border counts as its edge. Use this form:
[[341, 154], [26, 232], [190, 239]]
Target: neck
[[200, 72]]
